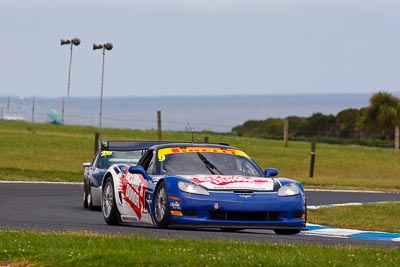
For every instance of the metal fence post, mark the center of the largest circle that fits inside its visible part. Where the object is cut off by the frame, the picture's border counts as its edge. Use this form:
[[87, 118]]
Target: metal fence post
[[159, 125], [96, 141], [312, 161], [285, 132], [396, 141]]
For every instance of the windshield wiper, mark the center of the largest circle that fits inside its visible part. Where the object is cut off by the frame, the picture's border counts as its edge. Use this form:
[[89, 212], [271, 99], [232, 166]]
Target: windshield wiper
[[208, 164]]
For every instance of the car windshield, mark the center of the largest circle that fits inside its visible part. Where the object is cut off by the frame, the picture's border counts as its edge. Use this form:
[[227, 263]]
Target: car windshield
[[206, 161], [107, 158]]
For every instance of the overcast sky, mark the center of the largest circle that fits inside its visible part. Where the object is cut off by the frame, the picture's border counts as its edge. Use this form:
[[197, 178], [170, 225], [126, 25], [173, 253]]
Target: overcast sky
[[200, 47]]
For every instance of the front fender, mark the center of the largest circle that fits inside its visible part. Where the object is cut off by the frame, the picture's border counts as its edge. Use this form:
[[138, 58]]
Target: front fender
[[171, 183], [96, 179], [113, 171]]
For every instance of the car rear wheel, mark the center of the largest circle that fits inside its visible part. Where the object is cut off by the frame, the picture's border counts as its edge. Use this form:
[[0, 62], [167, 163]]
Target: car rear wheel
[[161, 210], [85, 200], [90, 200], [286, 231], [108, 205]]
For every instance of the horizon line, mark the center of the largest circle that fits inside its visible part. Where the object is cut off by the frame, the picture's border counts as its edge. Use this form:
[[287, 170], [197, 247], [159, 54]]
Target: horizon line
[[206, 95]]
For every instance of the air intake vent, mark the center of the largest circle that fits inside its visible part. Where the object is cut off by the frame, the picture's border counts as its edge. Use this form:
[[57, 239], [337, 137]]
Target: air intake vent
[[243, 191], [240, 216], [189, 212], [246, 216]]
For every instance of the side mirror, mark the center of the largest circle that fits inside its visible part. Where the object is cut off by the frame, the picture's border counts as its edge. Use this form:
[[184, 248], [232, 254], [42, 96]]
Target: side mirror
[[136, 169], [86, 164], [271, 172]]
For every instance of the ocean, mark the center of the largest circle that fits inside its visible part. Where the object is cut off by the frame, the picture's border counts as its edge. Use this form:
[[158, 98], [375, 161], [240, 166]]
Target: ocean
[[211, 113]]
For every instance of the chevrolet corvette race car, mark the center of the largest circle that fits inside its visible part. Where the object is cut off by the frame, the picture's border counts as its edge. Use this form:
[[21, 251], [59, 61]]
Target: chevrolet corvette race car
[[202, 185], [110, 152]]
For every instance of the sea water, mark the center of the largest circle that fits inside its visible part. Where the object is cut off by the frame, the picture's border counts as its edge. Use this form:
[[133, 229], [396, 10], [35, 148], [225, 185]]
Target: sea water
[[213, 113]]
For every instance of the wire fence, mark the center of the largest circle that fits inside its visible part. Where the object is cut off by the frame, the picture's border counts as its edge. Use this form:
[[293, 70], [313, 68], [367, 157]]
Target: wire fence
[[122, 120]]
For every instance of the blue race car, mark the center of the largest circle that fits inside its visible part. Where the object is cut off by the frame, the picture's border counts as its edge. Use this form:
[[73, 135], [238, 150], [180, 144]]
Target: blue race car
[[202, 185]]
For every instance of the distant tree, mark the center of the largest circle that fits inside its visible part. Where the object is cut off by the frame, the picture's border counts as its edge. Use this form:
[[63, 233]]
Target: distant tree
[[296, 124], [319, 125], [249, 128], [382, 114], [346, 123], [271, 127], [378, 120], [274, 127]]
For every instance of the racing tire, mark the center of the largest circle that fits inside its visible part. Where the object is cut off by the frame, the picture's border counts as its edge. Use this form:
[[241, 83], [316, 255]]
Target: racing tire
[[90, 200], [85, 200], [108, 205], [286, 231], [161, 206], [228, 230]]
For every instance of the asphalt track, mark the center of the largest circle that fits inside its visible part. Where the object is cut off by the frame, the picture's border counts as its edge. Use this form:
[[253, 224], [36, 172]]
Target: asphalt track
[[58, 207]]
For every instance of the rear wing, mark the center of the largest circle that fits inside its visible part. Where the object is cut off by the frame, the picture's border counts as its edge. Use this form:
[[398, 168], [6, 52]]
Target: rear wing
[[128, 145]]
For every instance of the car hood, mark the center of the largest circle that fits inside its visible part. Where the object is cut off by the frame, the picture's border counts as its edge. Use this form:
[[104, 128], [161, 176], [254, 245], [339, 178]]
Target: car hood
[[232, 182]]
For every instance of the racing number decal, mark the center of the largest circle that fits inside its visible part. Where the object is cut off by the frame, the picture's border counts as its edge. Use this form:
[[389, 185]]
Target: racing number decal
[[161, 158], [105, 153]]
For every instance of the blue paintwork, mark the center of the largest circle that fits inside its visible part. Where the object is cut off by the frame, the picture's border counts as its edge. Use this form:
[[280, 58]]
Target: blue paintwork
[[270, 172], [253, 202], [97, 178]]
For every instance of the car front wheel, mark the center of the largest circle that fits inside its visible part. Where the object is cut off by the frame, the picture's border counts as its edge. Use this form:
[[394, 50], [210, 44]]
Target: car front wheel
[[108, 205], [161, 210]]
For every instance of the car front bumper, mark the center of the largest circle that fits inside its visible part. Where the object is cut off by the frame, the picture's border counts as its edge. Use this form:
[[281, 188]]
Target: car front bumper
[[255, 210]]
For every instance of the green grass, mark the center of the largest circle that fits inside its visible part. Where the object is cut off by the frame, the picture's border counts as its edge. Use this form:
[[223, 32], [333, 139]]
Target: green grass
[[84, 249], [56, 153], [369, 217]]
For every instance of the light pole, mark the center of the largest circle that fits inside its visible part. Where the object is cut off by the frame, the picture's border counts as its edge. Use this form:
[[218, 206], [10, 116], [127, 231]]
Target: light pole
[[71, 42], [104, 47]]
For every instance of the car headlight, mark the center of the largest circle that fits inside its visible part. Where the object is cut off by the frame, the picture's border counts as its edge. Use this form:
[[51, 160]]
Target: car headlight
[[288, 190], [192, 188]]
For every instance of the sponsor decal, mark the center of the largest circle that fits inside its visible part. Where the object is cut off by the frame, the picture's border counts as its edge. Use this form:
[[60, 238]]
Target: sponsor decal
[[175, 205], [128, 218], [148, 198], [176, 150], [133, 188], [246, 196], [228, 179]]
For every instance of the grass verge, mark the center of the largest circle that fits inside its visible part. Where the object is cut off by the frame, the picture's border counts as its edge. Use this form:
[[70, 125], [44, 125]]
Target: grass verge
[[83, 249], [56, 153], [369, 217]]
